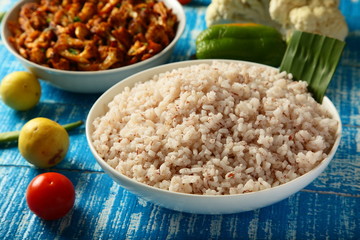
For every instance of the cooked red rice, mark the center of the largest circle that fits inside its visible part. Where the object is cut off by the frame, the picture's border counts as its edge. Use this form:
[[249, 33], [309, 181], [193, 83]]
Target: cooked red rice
[[215, 129]]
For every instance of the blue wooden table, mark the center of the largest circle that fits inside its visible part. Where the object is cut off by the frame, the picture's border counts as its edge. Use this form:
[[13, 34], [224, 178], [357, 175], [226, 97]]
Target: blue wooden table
[[329, 208]]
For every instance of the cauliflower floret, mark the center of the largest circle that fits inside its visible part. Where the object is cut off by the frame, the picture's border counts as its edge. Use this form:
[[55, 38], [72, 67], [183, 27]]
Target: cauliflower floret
[[226, 11], [279, 10], [315, 16]]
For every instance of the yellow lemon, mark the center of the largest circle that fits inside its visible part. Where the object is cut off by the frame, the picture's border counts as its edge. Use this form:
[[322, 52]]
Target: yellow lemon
[[20, 90], [43, 142]]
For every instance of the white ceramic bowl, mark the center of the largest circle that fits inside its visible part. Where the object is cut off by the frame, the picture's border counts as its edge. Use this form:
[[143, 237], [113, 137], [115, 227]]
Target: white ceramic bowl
[[200, 203], [91, 81]]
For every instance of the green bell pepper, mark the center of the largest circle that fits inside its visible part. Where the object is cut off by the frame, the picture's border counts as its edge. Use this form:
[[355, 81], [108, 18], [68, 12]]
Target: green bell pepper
[[248, 42]]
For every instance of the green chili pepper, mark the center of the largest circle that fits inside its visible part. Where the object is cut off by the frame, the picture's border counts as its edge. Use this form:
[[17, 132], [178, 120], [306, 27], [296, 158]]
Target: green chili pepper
[[14, 135], [248, 42], [2, 14]]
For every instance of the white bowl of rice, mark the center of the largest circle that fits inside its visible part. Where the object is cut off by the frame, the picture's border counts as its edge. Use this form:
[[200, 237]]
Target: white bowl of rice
[[212, 136]]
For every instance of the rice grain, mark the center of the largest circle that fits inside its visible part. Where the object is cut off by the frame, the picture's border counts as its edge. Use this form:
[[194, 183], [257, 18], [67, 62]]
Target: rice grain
[[215, 129]]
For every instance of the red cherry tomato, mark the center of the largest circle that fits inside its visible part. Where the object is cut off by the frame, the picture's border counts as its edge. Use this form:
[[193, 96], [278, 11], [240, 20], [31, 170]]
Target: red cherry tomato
[[50, 195], [183, 2]]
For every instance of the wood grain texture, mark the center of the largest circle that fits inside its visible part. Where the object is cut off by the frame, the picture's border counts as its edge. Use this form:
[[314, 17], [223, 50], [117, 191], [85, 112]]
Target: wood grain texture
[[103, 210], [329, 208]]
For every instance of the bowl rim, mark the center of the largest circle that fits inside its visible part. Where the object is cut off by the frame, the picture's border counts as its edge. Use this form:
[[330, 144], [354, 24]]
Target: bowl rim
[[98, 103], [179, 11]]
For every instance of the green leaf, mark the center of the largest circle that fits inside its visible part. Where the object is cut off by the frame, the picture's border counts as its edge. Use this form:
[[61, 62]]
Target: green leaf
[[73, 51], [77, 19], [312, 58]]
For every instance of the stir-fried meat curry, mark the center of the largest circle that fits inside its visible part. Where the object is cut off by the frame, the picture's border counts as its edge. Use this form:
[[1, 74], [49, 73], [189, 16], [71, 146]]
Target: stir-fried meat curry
[[92, 35]]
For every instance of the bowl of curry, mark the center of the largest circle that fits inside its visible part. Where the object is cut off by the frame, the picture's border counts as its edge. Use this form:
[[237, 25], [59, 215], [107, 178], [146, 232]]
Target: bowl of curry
[[88, 46]]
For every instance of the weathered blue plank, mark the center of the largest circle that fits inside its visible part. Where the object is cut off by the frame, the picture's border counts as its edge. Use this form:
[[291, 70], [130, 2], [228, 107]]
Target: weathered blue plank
[[78, 157], [351, 10], [103, 210], [342, 174], [338, 177], [326, 209], [344, 89]]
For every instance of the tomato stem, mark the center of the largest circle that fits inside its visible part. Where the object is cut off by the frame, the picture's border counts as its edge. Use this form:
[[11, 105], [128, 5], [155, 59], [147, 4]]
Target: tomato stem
[[14, 135]]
